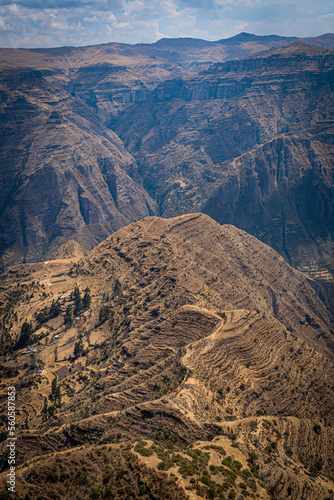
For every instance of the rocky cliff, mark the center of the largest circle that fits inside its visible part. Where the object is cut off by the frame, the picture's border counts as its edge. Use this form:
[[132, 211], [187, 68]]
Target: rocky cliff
[[113, 133], [63, 174], [248, 142]]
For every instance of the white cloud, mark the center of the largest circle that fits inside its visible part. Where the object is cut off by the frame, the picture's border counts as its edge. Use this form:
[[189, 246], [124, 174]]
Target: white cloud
[[171, 7], [62, 22], [111, 17], [90, 19], [134, 6], [124, 26]]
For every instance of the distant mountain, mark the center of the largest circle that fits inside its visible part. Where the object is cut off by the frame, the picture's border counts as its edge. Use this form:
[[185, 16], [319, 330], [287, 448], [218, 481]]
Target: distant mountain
[[250, 37], [325, 41]]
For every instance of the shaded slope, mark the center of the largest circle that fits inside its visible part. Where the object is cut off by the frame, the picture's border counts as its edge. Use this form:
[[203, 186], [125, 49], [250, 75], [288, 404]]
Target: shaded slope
[[187, 136], [63, 175]]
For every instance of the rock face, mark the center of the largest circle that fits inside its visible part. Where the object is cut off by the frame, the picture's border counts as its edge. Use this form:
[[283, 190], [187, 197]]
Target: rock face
[[250, 143], [63, 174], [201, 352]]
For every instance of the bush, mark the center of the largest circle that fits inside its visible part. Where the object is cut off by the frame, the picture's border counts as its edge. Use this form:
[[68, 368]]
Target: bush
[[165, 464], [95, 492], [52, 476], [205, 480], [140, 448], [252, 484], [211, 493]]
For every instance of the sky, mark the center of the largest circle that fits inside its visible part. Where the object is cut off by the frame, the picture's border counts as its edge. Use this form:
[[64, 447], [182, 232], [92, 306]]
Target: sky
[[54, 23]]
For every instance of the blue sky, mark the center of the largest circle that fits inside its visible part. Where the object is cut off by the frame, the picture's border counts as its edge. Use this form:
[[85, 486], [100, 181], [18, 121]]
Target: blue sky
[[53, 23]]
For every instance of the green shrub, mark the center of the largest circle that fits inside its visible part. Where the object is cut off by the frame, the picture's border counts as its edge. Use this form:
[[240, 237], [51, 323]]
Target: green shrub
[[95, 492], [52, 476], [140, 448], [205, 480], [165, 464], [252, 484]]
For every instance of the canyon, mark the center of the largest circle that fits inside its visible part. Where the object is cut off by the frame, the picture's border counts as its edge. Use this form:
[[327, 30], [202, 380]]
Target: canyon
[[94, 138]]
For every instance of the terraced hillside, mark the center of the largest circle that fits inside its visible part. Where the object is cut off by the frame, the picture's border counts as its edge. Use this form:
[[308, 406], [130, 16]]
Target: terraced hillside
[[185, 360]]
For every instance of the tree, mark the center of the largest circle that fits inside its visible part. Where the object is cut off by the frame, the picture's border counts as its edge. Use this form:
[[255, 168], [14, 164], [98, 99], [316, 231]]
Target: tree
[[104, 314], [54, 386], [78, 349], [25, 335], [45, 409], [45, 314], [117, 287], [87, 298], [33, 363], [68, 318], [55, 309], [78, 305], [55, 391]]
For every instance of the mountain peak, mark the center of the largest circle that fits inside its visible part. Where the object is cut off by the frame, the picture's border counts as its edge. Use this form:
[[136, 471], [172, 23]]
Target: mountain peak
[[245, 37], [298, 47]]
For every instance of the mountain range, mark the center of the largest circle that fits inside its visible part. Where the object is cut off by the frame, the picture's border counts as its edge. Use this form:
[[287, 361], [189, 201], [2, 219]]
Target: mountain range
[[94, 138], [167, 273]]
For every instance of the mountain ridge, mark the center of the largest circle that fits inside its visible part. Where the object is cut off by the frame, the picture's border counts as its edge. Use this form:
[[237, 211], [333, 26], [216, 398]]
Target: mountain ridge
[[326, 38], [196, 333], [232, 108]]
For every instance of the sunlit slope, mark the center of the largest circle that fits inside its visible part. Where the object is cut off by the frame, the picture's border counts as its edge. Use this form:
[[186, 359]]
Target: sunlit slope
[[195, 333]]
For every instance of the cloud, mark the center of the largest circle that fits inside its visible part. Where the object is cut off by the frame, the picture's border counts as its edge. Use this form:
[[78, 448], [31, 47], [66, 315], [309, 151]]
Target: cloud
[[197, 4], [66, 4], [37, 23], [48, 4]]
